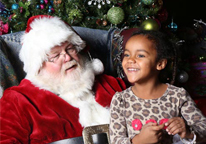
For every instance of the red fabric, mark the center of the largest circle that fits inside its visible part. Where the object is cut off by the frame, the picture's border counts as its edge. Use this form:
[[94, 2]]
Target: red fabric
[[201, 104], [31, 19], [32, 115], [105, 87]]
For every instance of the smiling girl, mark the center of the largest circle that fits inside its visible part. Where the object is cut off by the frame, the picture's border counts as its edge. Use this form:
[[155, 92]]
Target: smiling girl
[[151, 111]]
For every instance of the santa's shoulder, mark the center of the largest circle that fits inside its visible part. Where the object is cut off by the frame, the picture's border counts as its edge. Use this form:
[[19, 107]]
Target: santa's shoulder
[[116, 83]]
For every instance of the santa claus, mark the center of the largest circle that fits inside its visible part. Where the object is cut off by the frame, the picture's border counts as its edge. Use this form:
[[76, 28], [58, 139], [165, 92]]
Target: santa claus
[[63, 90]]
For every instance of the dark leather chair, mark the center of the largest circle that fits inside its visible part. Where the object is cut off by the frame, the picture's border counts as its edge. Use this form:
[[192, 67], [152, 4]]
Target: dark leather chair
[[98, 134], [76, 140]]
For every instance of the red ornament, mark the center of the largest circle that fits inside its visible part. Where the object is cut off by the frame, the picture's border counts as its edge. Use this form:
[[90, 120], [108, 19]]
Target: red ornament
[[42, 6], [162, 15], [21, 9], [163, 121], [4, 28], [136, 124], [46, 1], [98, 21], [151, 120], [52, 10]]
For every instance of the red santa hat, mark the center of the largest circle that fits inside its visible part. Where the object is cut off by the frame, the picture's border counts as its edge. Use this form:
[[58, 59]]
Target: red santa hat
[[43, 33]]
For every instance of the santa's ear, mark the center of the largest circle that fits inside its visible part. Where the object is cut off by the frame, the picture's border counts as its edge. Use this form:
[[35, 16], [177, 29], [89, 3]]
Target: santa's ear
[[161, 64]]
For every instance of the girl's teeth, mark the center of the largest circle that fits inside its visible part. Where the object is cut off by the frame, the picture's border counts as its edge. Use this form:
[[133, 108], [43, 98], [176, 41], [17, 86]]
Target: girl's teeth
[[132, 69]]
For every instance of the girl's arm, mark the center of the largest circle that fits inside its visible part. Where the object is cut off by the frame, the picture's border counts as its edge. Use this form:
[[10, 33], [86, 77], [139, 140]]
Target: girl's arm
[[118, 129], [193, 117]]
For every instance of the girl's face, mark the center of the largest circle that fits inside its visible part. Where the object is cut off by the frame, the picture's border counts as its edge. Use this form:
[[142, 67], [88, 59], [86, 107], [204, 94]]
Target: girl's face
[[139, 61]]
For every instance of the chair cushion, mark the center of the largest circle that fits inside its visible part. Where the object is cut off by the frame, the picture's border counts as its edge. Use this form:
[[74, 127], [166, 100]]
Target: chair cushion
[[7, 74], [13, 47]]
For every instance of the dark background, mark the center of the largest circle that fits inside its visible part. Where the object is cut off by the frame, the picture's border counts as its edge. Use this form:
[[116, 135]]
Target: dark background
[[185, 11]]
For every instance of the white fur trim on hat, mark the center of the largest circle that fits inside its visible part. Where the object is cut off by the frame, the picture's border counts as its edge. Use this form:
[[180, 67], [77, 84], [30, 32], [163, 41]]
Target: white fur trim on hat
[[97, 66], [43, 34], [1, 91]]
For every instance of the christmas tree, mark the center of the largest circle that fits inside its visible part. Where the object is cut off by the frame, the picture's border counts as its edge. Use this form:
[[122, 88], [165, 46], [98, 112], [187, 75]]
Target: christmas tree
[[99, 14]]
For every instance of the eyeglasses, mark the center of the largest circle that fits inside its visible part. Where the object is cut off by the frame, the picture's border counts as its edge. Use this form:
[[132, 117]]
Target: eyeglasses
[[71, 51]]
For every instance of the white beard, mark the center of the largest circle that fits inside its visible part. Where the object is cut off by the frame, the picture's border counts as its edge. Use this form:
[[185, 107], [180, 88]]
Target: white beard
[[76, 89]]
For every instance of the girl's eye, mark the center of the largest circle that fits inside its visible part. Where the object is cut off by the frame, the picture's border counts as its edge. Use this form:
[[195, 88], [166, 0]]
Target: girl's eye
[[126, 55], [140, 56]]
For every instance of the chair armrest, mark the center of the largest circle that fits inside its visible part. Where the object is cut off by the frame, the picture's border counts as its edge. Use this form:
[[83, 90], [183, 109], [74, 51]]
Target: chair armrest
[[97, 129]]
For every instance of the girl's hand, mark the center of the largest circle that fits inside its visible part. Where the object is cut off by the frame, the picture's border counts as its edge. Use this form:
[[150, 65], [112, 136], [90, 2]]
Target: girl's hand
[[177, 125], [150, 133]]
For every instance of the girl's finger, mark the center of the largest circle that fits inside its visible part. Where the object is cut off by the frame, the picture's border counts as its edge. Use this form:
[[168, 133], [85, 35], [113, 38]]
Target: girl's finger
[[176, 130]]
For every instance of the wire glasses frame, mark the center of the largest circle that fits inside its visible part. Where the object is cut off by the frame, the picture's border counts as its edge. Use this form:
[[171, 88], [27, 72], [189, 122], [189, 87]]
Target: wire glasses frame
[[72, 51]]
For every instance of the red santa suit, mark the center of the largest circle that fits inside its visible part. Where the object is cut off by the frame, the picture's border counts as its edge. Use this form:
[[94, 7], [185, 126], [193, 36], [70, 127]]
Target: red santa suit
[[37, 116], [39, 111]]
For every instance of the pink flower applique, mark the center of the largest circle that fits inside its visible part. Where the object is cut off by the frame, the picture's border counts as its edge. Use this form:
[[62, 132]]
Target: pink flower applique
[[163, 121], [136, 124], [150, 120]]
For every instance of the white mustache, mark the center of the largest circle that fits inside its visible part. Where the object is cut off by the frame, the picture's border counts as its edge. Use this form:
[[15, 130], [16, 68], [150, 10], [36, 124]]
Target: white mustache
[[70, 64]]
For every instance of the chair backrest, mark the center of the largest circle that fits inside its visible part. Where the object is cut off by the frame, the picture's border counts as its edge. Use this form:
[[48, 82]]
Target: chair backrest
[[98, 134]]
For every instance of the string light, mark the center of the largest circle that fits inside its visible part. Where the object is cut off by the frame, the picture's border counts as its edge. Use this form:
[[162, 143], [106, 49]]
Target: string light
[[98, 2]]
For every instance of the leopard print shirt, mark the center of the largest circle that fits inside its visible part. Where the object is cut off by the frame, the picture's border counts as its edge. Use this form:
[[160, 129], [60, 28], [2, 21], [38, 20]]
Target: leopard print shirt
[[129, 113]]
